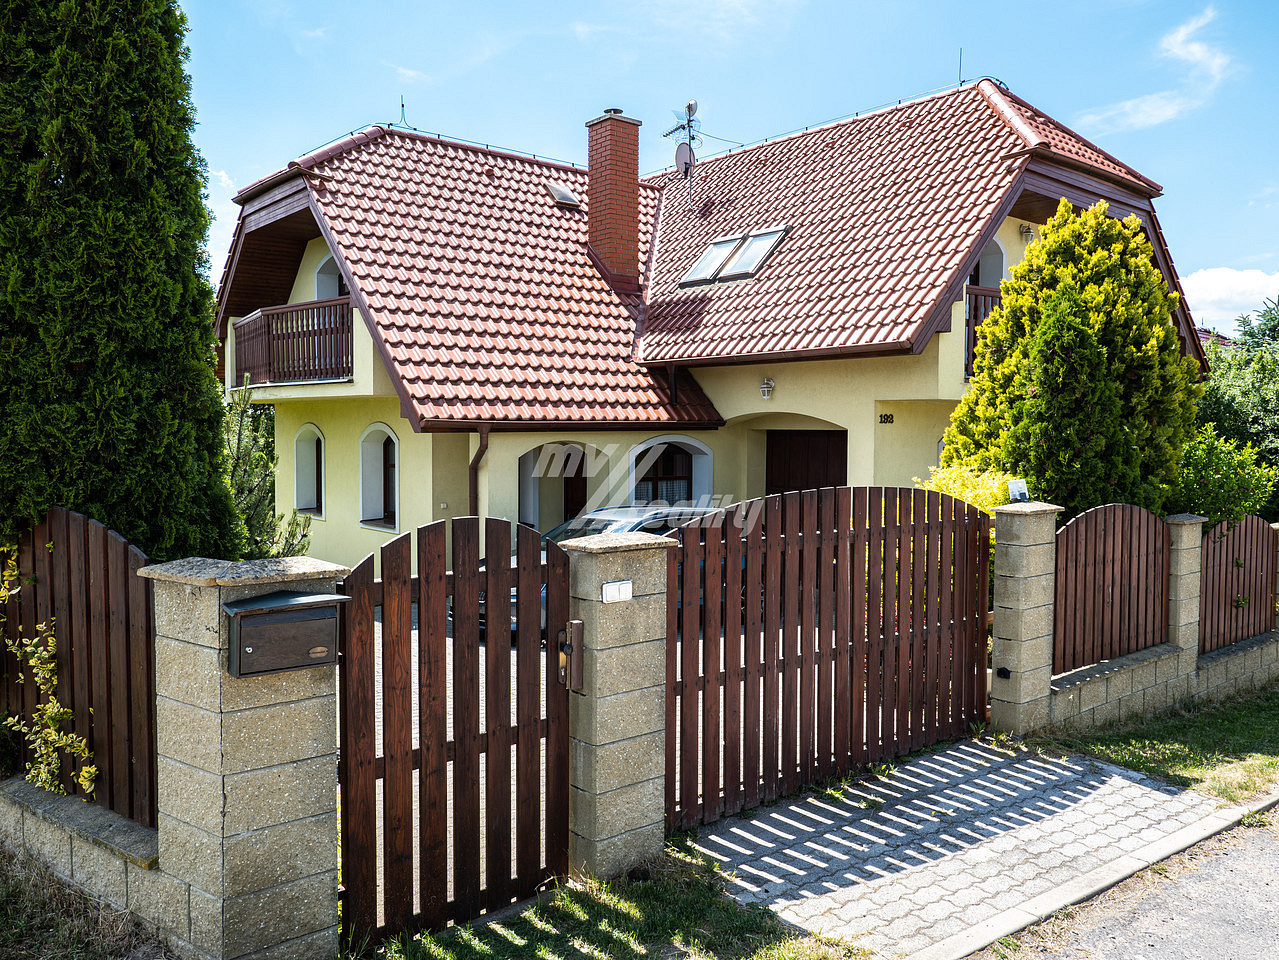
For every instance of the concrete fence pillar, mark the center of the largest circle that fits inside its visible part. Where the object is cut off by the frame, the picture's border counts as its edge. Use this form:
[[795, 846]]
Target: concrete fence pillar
[[1022, 653], [617, 586], [247, 771], [1185, 541]]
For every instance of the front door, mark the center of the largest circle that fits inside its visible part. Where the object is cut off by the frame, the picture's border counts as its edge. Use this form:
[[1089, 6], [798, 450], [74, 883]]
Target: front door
[[805, 460], [575, 489]]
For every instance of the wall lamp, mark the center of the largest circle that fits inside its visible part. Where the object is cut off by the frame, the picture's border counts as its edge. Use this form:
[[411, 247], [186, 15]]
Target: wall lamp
[[766, 387], [1027, 234]]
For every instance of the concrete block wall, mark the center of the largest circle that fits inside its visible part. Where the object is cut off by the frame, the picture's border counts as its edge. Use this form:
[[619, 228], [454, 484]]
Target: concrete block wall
[[1026, 698], [617, 754]]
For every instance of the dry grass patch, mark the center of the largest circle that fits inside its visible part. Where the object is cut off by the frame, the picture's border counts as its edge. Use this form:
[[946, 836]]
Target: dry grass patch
[[42, 919]]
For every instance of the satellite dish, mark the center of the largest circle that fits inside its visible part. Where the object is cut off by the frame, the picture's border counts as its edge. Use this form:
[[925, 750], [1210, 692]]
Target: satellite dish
[[691, 109], [684, 159]]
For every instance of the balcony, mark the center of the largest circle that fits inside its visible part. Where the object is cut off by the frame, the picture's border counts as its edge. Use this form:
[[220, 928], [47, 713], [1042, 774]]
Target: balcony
[[297, 343], [981, 301]]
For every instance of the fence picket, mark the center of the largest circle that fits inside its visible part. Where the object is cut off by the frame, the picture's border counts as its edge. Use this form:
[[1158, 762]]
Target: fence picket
[[433, 723], [497, 713], [397, 731]]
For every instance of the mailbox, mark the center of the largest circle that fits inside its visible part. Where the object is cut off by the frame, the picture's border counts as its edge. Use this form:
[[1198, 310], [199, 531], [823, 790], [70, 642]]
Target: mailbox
[[285, 630]]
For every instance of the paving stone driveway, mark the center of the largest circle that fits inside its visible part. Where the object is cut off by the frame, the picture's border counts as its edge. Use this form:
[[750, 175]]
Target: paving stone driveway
[[942, 843]]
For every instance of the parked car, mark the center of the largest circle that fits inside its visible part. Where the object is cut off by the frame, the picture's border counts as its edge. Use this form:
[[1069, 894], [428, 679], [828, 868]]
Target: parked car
[[657, 520]]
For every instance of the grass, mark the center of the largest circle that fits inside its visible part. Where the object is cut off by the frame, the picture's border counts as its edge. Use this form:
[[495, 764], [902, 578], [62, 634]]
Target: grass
[[676, 907], [41, 919], [1230, 749]]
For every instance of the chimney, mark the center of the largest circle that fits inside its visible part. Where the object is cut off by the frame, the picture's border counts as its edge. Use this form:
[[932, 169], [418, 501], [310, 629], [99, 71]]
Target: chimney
[[613, 195]]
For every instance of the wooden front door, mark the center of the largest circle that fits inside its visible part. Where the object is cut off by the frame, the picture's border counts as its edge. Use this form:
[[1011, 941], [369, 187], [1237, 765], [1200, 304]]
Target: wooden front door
[[805, 460], [575, 489]]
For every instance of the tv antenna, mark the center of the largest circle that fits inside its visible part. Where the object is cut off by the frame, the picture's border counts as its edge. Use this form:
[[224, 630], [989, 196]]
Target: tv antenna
[[688, 128]]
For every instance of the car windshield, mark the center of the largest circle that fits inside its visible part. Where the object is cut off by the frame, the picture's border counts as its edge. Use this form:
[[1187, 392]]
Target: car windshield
[[584, 526]]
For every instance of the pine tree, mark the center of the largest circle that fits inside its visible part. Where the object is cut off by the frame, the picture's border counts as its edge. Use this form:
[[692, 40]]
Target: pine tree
[[109, 397], [1092, 279]]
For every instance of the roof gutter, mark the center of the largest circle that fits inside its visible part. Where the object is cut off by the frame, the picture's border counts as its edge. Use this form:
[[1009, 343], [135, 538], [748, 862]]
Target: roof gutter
[[474, 471]]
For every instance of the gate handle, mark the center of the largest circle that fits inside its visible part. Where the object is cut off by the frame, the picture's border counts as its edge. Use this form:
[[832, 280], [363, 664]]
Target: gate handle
[[570, 646]]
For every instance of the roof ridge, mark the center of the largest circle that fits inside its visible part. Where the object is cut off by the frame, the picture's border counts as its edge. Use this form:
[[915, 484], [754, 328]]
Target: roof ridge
[[826, 125], [995, 99]]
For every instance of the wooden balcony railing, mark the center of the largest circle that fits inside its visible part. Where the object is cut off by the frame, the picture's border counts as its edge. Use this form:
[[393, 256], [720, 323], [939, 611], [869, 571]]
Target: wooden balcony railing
[[301, 341], [981, 300]]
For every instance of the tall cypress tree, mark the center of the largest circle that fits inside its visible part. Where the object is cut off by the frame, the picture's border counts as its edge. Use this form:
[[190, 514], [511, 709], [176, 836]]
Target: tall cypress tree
[[109, 402]]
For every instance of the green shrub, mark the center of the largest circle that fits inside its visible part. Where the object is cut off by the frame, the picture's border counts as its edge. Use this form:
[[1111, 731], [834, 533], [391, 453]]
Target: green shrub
[[1221, 480], [984, 489], [1027, 411], [1241, 400]]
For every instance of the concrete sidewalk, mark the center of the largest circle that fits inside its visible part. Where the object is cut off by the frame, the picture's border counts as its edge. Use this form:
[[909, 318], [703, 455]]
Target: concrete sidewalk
[[955, 849]]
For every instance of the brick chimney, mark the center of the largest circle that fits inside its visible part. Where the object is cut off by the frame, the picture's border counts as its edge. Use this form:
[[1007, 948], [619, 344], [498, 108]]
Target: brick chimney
[[613, 195]]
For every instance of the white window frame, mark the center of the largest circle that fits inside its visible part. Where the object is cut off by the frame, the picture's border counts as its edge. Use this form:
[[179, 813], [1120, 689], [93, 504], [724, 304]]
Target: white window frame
[[371, 475], [330, 259], [703, 465], [309, 431]]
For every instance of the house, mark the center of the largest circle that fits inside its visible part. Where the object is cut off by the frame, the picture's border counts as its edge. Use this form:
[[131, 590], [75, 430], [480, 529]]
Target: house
[[447, 329]]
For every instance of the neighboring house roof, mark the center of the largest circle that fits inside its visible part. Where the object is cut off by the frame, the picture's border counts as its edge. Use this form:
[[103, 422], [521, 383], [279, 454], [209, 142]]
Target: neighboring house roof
[[489, 308], [1209, 337], [887, 213]]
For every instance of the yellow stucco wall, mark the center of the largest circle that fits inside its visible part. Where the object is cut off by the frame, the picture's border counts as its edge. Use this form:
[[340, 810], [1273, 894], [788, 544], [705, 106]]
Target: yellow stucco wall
[[338, 535], [369, 378], [850, 393]]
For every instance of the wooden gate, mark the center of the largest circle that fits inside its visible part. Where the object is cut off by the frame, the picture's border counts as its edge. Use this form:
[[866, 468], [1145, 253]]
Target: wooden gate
[[812, 633], [1237, 583], [454, 728], [82, 580], [1111, 587]]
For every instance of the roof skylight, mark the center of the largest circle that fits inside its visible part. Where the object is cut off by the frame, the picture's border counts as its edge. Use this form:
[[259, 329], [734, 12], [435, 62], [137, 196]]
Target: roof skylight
[[709, 263], [735, 257], [752, 253], [563, 196]]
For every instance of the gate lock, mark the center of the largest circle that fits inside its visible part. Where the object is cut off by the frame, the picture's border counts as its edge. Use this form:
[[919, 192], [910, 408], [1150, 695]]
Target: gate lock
[[570, 645]]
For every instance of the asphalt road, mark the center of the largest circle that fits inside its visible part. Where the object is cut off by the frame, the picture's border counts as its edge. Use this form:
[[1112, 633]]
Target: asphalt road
[[1218, 900]]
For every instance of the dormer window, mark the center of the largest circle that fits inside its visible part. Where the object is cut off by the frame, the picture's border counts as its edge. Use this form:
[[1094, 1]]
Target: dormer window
[[735, 257]]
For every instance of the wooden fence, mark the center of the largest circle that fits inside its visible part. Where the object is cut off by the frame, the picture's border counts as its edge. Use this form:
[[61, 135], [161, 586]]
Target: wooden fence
[[491, 721], [1111, 591], [303, 341], [81, 578], [1237, 582], [811, 633]]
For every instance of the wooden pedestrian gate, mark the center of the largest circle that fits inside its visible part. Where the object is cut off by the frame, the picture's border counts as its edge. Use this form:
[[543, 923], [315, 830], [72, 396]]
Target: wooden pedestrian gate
[[454, 729], [815, 632]]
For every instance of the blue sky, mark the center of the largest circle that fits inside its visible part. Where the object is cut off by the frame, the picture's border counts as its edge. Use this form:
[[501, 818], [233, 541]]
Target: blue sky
[[1186, 92]]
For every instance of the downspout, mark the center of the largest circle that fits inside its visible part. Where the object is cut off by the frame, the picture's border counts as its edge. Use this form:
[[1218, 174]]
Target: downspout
[[475, 471]]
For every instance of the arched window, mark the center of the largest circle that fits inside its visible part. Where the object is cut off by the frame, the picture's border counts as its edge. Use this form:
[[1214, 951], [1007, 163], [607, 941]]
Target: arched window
[[329, 282], [308, 470], [671, 470], [379, 466], [992, 266]]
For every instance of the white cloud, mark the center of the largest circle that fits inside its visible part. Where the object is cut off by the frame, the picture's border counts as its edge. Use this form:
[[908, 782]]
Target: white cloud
[[1207, 67], [316, 34], [406, 73], [1217, 296]]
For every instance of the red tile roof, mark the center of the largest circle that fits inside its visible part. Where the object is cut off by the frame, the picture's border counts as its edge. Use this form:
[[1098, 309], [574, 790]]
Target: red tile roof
[[1062, 143], [482, 290], [490, 309], [882, 209]]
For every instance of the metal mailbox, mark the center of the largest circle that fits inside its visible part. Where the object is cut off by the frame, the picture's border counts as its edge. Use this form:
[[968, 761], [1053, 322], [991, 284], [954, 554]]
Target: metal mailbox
[[285, 630]]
